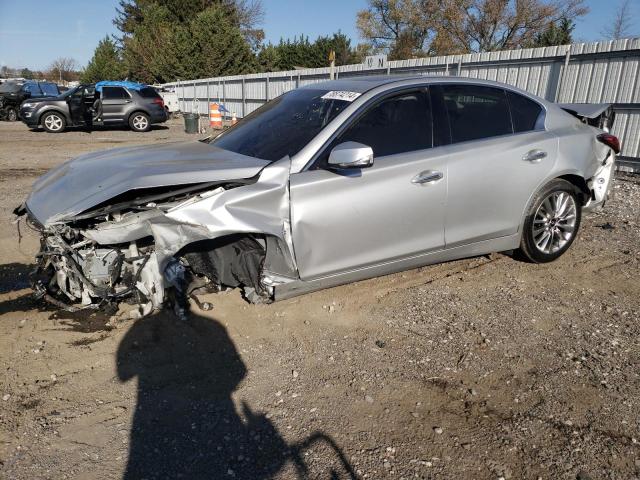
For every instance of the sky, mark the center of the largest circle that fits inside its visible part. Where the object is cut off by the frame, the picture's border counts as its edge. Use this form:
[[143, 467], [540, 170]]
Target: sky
[[34, 32]]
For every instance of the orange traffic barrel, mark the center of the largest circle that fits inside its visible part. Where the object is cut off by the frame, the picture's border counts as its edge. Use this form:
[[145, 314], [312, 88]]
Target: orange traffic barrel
[[215, 117]]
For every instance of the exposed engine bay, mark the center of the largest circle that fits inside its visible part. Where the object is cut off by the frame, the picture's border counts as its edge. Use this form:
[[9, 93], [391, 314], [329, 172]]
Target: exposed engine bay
[[162, 245]]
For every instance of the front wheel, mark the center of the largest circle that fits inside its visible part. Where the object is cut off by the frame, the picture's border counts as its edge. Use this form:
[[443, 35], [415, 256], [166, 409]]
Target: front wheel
[[54, 122], [12, 114], [552, 222], [139, 122]]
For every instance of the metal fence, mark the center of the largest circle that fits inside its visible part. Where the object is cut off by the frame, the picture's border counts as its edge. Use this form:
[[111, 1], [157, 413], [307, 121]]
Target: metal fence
[[599, 72]]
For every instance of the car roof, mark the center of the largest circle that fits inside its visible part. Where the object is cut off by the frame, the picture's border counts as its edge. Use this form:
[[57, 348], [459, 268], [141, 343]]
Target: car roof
[[362, 84]]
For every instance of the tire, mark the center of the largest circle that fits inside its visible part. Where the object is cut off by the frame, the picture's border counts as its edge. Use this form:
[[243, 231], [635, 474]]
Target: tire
[[12, 114], [139, 122], [53, 122], [552, 222]]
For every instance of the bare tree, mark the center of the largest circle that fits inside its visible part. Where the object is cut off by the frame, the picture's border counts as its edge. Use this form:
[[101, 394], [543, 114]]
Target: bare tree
[[402, 28], [250, 14], [63, 68], [489, 25], [406, 28], [622, 22]]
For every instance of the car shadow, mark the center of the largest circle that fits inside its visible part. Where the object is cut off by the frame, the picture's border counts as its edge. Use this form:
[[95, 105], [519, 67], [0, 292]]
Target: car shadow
[[186, 424], [101, 128]]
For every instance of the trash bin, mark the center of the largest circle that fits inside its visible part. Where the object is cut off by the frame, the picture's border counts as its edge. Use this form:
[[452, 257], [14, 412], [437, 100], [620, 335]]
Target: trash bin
[[191, 122]]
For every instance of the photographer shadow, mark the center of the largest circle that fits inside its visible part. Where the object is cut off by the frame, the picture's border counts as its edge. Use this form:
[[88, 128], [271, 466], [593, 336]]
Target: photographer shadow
[[185, 424]]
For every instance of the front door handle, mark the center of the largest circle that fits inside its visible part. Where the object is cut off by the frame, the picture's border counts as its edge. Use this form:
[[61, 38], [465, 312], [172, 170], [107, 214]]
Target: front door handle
[[534, 156], [427, 177]]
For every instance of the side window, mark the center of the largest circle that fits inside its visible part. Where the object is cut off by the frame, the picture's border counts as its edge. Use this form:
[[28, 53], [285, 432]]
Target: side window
[[395, 125], [526, 114], [476, 112], [114, 93], [49, 89], [33, 89]]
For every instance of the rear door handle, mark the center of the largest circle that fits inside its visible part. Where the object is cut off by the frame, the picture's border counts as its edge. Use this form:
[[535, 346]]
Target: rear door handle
[[534, 156], [427, 177]]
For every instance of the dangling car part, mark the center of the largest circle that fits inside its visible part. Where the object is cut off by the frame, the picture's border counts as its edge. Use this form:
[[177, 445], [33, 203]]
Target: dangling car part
[[324, 185]]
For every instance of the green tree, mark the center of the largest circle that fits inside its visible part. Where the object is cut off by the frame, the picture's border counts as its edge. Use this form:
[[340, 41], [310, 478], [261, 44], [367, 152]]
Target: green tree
[[269, 58], [26, 73], [301, 53], [556, 33], [183, 39], [106, 63]]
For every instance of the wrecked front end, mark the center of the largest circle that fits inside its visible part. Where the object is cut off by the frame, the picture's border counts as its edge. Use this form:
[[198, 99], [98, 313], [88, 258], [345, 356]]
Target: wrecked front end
[[152, 247]]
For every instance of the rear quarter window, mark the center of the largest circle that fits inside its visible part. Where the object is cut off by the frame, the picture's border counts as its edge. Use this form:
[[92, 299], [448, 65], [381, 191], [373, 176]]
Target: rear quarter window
[[526, 114], [148, 92]]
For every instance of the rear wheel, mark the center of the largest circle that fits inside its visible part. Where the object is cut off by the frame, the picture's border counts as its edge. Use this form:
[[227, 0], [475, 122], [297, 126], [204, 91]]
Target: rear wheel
[[12, 114], [552, 222], [139, 122], [54, 122]]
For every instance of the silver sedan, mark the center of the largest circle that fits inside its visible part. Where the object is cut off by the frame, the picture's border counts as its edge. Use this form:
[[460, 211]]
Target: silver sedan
[[327, 184]]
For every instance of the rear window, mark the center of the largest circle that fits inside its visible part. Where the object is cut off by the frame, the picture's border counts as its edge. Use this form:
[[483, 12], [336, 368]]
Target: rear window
[[148, 92], [526, 114], [476, 112]]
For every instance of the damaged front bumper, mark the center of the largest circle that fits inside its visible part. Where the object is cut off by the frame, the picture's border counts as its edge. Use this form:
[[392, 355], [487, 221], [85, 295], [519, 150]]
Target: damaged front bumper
[[147, 252]]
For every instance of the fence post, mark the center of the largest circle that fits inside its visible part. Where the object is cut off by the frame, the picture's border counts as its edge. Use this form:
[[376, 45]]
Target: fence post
[[208, 94], [244, 98], [459, 66], [266, 88], [561, 74], [224, 94], [298, 81]]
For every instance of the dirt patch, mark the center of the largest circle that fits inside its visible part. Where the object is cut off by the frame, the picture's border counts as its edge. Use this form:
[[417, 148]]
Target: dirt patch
[[479, 368]]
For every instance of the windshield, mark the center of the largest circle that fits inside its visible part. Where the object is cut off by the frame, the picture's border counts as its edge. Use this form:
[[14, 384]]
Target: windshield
[[282, 126]]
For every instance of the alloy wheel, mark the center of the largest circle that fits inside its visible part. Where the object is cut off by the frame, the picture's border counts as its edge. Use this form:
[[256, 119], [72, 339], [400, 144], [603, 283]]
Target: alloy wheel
[[12, 115], [554, 222], [140, 122], [53, 123]]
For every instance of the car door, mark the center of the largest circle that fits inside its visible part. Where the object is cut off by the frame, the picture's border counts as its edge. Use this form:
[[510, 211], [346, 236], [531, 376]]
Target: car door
[[500, 153], [346, 220], [115, 101], [77, 108]]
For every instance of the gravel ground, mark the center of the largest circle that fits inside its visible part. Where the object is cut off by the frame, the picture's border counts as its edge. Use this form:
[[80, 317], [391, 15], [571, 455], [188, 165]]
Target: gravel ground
[[480, 368]]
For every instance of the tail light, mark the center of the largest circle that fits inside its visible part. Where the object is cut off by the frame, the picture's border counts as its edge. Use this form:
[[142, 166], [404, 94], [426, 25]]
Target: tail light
[[610, 141], [159, 101]]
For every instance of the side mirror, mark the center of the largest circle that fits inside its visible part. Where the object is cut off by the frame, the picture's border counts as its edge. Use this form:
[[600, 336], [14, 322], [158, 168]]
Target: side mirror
[[351, 155]]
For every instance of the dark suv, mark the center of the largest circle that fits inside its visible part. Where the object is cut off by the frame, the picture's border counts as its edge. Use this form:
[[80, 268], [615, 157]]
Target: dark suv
[[13, 93], [103, 103]]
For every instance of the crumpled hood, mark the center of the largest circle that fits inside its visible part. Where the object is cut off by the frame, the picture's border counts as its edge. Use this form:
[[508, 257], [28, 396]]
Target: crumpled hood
[[89, 180]]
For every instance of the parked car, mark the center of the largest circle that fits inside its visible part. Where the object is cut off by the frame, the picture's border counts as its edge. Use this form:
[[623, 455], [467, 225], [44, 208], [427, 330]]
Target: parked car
[[13, 93], [327, 184], [100, 104]]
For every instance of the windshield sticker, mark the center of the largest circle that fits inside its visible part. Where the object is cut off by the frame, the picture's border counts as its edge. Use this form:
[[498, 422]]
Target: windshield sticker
[[341, 95]]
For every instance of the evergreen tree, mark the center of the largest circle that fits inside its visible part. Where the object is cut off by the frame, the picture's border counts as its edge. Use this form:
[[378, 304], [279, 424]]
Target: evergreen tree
[[165, 40], [301, 53], [556, 33], [26, 73], [269, 58], [106, 63]]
